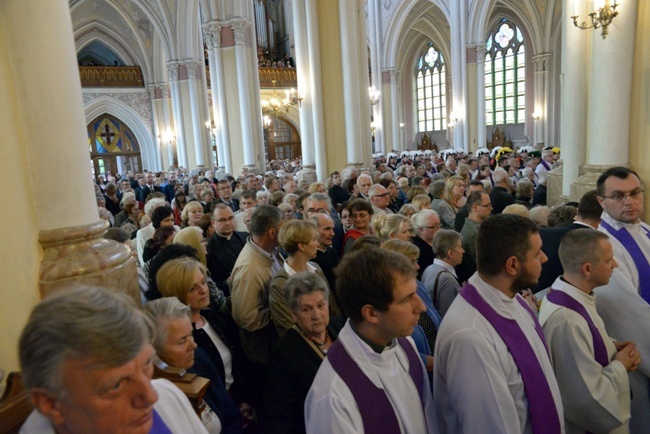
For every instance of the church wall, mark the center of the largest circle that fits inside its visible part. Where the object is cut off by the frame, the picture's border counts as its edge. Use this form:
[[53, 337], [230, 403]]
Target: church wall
[[21, 253], [640, 110]]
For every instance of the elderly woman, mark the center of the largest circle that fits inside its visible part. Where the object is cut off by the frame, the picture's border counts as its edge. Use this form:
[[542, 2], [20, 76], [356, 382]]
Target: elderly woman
[[191, 214], [297, 356], [186, 279], [287, 212], [298, 239], [389, 226], [425, 334], [361, 212], [132, 223], [440, 278], [453, 200], [175, 346]]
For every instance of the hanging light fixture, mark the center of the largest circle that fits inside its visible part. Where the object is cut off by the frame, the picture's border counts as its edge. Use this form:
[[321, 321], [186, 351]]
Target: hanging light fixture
[[374, 95], [602, 17], [275, 108]]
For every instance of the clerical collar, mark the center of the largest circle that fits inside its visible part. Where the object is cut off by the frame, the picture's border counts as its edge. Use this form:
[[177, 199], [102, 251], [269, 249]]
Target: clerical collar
[[377, 348], [591, 293]]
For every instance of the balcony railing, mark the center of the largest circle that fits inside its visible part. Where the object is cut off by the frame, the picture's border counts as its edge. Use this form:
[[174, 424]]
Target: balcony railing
[[111, 76], [284, 77]]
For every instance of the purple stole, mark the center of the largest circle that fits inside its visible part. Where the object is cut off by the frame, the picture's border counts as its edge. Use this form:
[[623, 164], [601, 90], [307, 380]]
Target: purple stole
[[544, 417], [640, 261], [565, 300], [491, 180], [376, 411], [158, 426], [545, 164]]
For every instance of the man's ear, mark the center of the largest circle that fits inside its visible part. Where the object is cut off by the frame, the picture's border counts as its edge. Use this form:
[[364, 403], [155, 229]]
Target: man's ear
[[48, 405], [512, 266], [369, 314]]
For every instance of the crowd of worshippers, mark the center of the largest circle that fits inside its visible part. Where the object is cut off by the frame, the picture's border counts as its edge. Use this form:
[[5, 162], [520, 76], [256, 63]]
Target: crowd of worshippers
[[431, 294]]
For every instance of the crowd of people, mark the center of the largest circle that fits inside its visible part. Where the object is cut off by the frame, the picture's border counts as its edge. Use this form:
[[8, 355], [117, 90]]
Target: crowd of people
[[400, 298]]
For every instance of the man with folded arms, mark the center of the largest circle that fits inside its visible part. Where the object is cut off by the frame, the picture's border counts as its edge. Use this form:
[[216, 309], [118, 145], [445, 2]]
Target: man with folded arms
[[591, 369]]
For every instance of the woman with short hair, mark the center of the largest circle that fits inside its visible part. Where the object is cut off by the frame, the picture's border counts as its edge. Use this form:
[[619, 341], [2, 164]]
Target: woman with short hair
[[361, 212], [390, 226], [192, 213]]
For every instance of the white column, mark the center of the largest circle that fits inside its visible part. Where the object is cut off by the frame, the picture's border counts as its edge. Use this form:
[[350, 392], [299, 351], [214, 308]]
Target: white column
[[611, 89], [156, 130], [212, 36], [542, 63], [172, 69], [303, 73], [459, 73], [239, 28], [480, 90], [351, 53], [394, 108], [375, 36], [198, 124], [168, 130]]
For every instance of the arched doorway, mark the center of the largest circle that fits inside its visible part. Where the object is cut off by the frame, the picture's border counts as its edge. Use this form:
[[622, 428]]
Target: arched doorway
[[113, 146], [281, 140]]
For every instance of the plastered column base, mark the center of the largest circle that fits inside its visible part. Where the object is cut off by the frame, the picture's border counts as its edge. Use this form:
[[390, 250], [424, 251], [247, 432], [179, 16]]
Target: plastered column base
[[308, 174], [79, 255], [554, 183], [587, 181]]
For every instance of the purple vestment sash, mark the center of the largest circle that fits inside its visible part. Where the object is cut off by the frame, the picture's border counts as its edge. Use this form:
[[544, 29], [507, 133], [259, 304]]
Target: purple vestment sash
[[544, 417], [376, 411], [545, 164], [563, 299], [640, 261], [158, 426]]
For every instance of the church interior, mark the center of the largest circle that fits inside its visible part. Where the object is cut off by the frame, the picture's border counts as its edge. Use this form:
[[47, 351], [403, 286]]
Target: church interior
[[89, 87]]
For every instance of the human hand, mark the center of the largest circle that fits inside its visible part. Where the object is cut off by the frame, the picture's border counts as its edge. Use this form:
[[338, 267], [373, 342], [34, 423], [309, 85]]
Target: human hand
[[630, 357]]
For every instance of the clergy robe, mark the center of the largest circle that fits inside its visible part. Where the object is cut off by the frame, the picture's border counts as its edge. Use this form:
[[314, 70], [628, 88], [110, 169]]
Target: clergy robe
[[331, 408], [477, 387], [627, 316], [595, 398]]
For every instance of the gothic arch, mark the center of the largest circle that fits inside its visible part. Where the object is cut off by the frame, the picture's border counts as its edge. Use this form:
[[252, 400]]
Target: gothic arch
[[151, 158]]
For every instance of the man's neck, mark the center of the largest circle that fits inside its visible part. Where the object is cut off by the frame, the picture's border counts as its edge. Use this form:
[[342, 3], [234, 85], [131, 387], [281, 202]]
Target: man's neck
[[264, 243], [475, 218], [369, 335], [501, 282], [578, 281]]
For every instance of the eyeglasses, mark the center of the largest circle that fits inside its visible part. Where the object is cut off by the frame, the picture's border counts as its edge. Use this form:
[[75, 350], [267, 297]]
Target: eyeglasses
[[620, 197], [317, 211], [436, 227], [380, 195], [224, 220]]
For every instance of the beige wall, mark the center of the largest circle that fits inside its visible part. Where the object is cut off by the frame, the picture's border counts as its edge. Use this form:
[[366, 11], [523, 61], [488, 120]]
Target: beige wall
[[640, 113]]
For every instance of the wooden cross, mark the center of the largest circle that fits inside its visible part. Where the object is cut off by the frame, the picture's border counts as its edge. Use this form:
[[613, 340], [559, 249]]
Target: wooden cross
[[107, 134]]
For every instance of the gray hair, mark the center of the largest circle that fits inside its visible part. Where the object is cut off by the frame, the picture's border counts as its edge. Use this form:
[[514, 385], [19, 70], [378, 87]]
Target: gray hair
[[289, 196], [153, 204], [525, 188], [499, 175], [320, 197], [264, 218], [443, 241], [419, 219], [437, 188], [80, 322], [161, 312], [303, 284], [126, 198]]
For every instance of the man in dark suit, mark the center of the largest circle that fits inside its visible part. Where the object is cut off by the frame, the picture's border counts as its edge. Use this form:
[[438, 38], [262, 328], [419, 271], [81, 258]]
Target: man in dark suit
[[148, 188], [224, 190], [224, 246], [589, 211], [500, 196]]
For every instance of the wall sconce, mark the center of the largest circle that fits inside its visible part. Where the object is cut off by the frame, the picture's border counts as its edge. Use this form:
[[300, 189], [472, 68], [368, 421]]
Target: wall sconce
[[267, 121], [401, 125], [373, 127], [167, 138], [212, 128], [294, 97], [453, 120], [374, 95], [536, 116], [603, 17]]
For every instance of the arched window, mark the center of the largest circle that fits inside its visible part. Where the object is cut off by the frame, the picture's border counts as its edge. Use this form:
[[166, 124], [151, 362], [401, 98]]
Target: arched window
[[505, 75], [431, 91]]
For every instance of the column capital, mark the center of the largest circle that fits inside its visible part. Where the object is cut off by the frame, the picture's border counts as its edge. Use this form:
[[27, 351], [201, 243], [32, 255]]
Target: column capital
[[394, 75], [542, 62], [192, 66], [172, 70], [239, 28], [212, 34], [480, 53]]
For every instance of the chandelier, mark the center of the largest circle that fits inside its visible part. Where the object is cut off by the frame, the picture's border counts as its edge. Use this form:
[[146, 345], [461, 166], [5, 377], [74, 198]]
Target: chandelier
[[275, 108], [603, 17], [374, 95]]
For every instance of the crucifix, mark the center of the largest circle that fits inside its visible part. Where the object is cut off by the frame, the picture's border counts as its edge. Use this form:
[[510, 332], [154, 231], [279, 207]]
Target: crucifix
[[107, 134]]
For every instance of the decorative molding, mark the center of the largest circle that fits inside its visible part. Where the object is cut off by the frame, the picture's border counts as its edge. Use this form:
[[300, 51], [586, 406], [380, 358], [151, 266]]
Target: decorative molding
[[192, 67], [139, 101], [172, 70], [387, 11], [212, 35], [480, 53], [239, 29], [542, 62], [394, 75]]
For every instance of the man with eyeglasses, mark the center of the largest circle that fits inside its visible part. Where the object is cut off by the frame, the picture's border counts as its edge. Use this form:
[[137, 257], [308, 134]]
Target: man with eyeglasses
[[480, 208], [224, 246], [379, 199], [224, 190], [426, 223], [623, 304]]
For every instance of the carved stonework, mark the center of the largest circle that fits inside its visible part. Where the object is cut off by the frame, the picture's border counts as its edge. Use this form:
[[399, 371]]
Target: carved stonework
[[387, 9], [151, 88], [138, 100], [542, 62], [80, 255], [212, 35], [239, 28], [192, 66], [394, 75], [480, 53], [172, 70]]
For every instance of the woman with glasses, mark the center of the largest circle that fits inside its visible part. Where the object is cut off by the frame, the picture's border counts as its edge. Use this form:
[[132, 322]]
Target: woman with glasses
[[361, 212]]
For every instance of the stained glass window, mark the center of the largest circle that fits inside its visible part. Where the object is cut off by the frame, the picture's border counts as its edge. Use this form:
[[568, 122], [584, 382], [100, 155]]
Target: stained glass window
[[107, 134], [505, 75], [431, 90]]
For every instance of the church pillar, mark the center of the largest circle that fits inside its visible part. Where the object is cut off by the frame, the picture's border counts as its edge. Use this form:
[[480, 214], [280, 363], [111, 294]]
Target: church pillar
[[305, 88], [159, 94], [542, 64], [199, 138], [481, 140], [212, 37], [459, 75], [240, 28], [473, 106], [55, 198], [394, 108], [375, 37], [173, 69]]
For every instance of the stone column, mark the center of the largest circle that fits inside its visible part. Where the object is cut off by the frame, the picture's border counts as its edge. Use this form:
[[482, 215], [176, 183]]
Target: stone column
[[173, 71], [542, 63], [161, 124], [394, 108], [459, 74], [481, 140], [353, 54], [239, 28], [60, 209], [375, 37], [212, 37], [198, 121]]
